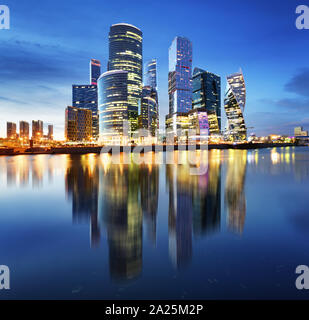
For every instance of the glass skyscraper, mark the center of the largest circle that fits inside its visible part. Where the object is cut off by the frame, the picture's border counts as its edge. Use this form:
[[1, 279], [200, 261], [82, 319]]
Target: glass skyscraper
[[149, 110], [207, 95], [234, 104], [86, 97], [180, 75], [113, 103], [151, 74], [126, 53], [95, 71]]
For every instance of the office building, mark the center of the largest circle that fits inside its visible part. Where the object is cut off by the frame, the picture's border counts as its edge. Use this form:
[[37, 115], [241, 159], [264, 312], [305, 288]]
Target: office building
[[207, 95], [149, 110], [151, 74], [95, 71], [78, 124], [86, 97], [113, 104], [180, 75], [126, 53], [234, 104]]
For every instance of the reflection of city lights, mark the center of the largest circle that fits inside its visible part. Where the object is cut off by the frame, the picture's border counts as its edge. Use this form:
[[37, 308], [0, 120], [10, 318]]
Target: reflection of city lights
[[275, 156]]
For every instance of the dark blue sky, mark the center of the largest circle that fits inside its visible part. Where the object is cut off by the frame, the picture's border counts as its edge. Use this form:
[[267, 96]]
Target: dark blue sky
[[50, 43]]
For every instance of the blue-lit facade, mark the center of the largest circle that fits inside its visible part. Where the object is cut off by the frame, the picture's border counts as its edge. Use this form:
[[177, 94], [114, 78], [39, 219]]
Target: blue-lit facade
[[113, 104], [126, 53], [180, 75], [86, 97], [95, 71], [234, 104], [151, 74], [207, 94]]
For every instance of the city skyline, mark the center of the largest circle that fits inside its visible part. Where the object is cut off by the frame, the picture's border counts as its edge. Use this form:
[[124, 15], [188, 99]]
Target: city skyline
[[37, 73]]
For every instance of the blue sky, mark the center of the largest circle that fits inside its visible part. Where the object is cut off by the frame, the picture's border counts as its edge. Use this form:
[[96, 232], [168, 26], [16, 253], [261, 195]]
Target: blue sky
[[50, 43]]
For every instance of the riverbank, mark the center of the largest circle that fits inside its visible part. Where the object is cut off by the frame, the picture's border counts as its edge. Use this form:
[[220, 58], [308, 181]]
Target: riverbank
[[164, 148]]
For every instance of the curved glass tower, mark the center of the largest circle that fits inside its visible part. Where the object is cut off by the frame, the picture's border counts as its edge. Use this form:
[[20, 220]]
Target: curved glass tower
[[126, 53], [234, 104], [113, 104]]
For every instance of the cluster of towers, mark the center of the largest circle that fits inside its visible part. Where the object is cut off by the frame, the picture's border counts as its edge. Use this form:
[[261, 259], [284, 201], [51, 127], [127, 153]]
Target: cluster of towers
[[118, 102], [195, 99], [24, 132]]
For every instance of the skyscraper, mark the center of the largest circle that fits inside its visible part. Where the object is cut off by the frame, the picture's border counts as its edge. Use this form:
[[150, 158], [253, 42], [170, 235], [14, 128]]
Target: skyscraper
[[151, 74], [207, 95], [234, 104], [126, 53], [86, 97], [24, 130], [113, 103], [95, 71], [78, 124], [149, 114], [37, 130], [180, 75], [11, 130]]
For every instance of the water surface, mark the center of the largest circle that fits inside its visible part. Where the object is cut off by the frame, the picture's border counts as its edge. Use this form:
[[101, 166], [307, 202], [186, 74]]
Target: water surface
[[78, 227]]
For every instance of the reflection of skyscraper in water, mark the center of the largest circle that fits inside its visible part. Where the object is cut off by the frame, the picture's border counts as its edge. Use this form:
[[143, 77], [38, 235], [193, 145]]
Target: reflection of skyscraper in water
[[207, 197], [180, 215], [235, 199], [121, 213], [149, 185], [82, 183]]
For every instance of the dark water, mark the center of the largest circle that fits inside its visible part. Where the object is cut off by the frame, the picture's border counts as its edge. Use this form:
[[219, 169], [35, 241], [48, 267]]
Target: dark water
[[77, 227]]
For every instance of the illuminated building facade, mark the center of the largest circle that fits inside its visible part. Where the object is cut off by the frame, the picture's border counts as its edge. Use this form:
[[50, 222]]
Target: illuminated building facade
[[149, 110], [207, 95], [86, 97], [37, 130], [126, 53], [180, 75], [199, 121], [234, 104], [11, 130], [24, 130], [113, 104], [50, 134], [95, 71], [78, 124], [300, 132]]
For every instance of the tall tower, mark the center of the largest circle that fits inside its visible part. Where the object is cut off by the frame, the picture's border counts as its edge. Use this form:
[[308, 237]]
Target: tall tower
[[207, 95], [95, 71], [113, 104], [86, 97], [151, 74], [234, 104], [126, 53], [180, 75]]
